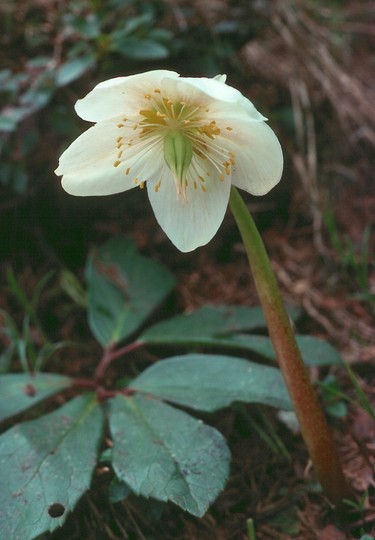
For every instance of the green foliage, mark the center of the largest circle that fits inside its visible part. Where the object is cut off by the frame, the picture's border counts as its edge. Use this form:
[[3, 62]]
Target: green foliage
[[165, 453], [157, 450], [209, 382], [49, 465], [19, 391], [355, 262], [223, 326], [123, 290], [21, 341], [82, 37]]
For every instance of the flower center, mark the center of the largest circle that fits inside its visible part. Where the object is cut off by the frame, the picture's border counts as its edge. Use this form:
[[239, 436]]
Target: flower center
[[189, 141]]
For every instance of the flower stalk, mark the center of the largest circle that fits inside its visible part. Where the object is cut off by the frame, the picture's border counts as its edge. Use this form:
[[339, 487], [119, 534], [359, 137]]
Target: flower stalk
[[314, 428]]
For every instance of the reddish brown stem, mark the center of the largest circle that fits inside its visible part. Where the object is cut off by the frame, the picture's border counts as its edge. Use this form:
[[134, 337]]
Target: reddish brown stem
[[110, 354], [314, 428]]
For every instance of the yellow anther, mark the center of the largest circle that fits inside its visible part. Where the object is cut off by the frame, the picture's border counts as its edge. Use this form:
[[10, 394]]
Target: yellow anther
[[157, 186], [119, 154], [203, 189], [116, 163], [222, 177], [127, 170], [135, 181], [229, 128], [147, 96], [201, 178], [142, 184], [157, 91], [120, 125]]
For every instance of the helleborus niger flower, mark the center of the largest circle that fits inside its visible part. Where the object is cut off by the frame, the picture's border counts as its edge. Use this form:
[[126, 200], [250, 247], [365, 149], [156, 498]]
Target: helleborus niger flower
[[186, 139]]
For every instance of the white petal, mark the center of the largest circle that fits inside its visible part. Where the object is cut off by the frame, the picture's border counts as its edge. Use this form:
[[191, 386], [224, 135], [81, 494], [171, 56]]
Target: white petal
[[88, 167], [119, 96], [213, 94], [192, 223], [258, 156]]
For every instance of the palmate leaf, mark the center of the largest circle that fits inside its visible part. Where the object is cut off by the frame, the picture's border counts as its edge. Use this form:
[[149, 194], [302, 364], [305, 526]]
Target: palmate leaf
[[123, 289], [164, 453], [207, 382], [314, 351], [223, 326], [20, 391], [46, 465], [206, 322]]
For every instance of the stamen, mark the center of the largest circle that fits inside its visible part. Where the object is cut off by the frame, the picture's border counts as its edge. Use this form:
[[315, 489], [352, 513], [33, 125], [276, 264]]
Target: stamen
[[142, 184], [157, 186], [116, 163], [127, 170], [157, 91], [229, 128]]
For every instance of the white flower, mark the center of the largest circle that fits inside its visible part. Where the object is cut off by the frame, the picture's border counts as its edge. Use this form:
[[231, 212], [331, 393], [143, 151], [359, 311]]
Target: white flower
[[186, 139]]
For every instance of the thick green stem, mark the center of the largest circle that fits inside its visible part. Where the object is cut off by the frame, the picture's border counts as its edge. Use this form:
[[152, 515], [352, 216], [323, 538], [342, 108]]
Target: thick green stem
[[314, 428]]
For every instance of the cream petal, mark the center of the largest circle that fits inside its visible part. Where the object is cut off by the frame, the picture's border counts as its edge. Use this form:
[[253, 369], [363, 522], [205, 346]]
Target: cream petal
[[258, 157], [193, 222], [88, 167], [213, 95], [120, 96]]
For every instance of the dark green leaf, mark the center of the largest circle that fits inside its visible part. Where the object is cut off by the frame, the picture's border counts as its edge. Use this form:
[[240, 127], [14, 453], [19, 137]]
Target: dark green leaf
[[7, 124], [218, 326], [73, 69], [118, 491], [164, 453], [314, 351], [131, 25], [141, 49], [210, 382], [123, 290], [209, 321], [21, 391], [46, 466]]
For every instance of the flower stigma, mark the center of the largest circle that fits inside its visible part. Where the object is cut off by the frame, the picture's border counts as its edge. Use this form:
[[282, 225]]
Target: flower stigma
[[178, 153]]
